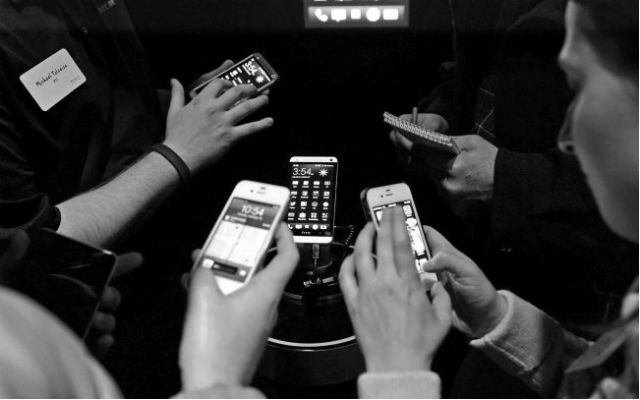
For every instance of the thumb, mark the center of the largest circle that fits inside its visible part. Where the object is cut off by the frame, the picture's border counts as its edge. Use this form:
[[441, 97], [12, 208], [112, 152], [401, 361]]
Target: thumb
[[203, 285], [441, 302], [177, 97], [445, 261]]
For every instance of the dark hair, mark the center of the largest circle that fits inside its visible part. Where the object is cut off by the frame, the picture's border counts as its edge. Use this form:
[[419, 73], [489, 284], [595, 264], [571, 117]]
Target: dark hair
[[614, 33]]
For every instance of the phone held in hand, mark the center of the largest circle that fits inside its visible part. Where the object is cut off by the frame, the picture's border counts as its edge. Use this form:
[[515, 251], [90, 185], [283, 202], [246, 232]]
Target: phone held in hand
[[68, 277], [254, 70], [376, 200], [313, 183], [239, 240]]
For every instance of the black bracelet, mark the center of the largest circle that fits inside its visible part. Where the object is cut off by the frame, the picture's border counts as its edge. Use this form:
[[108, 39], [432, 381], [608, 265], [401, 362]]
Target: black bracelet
[[181, 168]]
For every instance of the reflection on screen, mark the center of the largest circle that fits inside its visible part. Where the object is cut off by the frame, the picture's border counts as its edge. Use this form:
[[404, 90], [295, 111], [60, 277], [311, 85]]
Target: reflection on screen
[[240, 238], [312, 188], [420, 251]]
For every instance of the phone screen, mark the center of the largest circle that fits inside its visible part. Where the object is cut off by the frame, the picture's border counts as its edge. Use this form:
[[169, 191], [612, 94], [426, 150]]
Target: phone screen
[[71, 275], [249, 72], [240, 238], [416, 237], [313, 192]]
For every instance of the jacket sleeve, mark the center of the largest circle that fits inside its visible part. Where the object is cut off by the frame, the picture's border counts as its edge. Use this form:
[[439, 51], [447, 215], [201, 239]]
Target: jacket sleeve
[[220, 391], [399, 385], [532, 346]]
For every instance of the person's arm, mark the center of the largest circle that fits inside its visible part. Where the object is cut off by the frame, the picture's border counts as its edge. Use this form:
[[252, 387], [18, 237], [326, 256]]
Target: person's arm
[[517, 336], [531, 345], [397, 326], [199, 132], [99, 216]]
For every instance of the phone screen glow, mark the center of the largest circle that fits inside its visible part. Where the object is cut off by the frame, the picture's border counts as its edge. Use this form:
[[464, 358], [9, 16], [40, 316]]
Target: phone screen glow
[[240, 238]]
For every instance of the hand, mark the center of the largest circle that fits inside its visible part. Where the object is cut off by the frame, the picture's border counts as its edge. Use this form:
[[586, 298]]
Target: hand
[[404, 146], [466, 178], [224, 336], [103, 324], [478, 307], [202, 131], [206, 76], [397, 327]]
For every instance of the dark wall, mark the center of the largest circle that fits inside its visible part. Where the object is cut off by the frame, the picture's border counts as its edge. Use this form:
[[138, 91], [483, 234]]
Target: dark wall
[[334, 88]]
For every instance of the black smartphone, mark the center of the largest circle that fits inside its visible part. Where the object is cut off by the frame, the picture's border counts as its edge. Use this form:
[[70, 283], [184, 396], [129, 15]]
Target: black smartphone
[[254, 70], [67, 277]]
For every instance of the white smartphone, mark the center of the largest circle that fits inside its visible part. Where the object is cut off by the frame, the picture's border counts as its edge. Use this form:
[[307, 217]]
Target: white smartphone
[[399, 195], [239, 240], [313, 183]]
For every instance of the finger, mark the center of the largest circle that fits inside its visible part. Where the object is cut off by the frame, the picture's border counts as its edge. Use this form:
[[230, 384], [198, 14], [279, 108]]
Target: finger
[[195, 254], [177, 97], [205, 77], [236, 93], [246, 108], [445, 261], [250, 128], [102, 345], [203, 285], [276, 275], [104, 323], [11, 261], [214, 89], [466, 142], [126, 263], [402, 253], [441, 302], [348, 282], [111, 299], [362, 254], [384, 243], [436, 241]]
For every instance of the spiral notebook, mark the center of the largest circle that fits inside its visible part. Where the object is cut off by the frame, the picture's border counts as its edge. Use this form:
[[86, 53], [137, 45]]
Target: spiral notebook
[[418, 134]]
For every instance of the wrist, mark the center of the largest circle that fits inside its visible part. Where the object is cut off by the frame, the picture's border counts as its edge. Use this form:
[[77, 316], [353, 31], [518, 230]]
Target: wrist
[[494, 315], [191, 163], [382, 365]]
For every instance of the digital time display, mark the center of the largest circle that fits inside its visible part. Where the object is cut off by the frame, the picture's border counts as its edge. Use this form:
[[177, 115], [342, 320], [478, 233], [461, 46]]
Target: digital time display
[[240, 238]]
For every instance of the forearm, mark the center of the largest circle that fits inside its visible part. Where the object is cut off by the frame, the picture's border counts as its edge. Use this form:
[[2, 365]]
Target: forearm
[[529, 344], [101, 216]]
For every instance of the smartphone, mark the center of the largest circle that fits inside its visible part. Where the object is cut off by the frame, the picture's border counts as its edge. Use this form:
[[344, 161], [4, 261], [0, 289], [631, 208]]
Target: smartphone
[[254, 70], [239, 240], [313, 182], [69, 277], [399, 195]]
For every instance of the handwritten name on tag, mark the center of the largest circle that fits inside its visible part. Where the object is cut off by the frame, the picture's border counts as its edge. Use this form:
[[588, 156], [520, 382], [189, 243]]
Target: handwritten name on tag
[[53, 79]]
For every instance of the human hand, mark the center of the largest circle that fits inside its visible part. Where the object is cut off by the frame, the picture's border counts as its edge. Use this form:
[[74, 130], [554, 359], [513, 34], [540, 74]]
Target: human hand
[[478, 307], [397, 327], [207, 76], [224, 336], [466, 178], [203, 130], [403, 146], [100, 337]]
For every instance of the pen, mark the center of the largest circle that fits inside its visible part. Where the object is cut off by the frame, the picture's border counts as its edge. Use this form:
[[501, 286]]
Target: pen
[[414, 115]]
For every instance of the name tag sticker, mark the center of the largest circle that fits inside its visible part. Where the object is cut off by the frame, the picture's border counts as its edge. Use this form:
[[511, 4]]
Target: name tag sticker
[[53, 79]]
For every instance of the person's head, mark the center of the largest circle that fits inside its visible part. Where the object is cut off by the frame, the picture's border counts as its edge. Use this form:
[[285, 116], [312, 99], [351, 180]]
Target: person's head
[[600, 59]]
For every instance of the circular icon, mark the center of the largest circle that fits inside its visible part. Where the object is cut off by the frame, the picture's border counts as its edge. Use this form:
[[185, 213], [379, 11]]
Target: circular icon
[[373, 14]]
